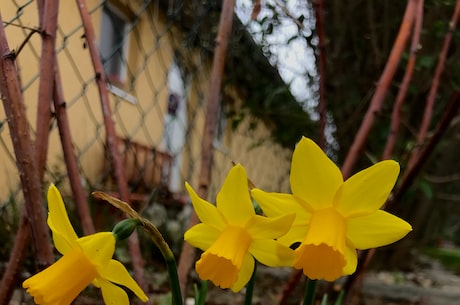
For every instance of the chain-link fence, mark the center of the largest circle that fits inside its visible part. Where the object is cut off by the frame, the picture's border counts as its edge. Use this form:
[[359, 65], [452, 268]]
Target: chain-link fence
[[157, 58], [158, 74]]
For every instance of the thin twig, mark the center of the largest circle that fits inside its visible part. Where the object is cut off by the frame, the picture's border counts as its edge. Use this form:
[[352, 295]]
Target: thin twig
[[449, 113], [396, 114], [381, 90], [20, 135], [225, 25], [45, 89], [425, 125], [111, 138], [71, 161]]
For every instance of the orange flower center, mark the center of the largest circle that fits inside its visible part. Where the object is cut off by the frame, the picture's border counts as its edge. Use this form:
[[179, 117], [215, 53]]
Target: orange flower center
[[221, 263], [63, 281], [321, 254]]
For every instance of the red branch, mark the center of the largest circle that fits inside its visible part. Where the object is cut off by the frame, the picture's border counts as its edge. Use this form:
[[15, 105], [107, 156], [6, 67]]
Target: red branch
[[111, 138], [396, 114], [45, 89], [71, 161], [382, 88], [425, 125], [225, 26], [14, 107], [449, 113]]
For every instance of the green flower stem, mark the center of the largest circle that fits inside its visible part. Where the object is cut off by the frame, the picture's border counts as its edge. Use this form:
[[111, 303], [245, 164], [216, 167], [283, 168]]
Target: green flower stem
[[310, 291], [339, 300], [200, 296], [250, 287], [168, 256]]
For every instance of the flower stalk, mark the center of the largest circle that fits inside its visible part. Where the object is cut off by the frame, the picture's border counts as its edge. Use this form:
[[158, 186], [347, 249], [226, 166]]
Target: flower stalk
[[250, 287], [310, 291]]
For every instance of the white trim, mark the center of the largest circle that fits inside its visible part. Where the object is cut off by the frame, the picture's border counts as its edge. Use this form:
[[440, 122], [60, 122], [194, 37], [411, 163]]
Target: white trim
[[122, 94]]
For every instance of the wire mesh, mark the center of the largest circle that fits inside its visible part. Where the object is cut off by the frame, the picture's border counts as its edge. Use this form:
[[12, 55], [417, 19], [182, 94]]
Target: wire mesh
[[158, 68]]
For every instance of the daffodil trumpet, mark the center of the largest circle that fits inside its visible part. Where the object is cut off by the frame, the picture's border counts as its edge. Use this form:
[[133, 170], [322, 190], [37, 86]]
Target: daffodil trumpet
[[85, 260], [334, 218]]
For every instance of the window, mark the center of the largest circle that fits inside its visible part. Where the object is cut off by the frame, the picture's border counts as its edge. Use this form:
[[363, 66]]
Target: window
[[114, 43]]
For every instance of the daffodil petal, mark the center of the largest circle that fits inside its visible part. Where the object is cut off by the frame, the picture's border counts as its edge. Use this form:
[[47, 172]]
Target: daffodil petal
[[351, 258], [296, 234], [247, 268], [116, 273], [366, 191], [112, 294], [233, 199], [272, 253], [201, 236], [205, 211], [277, 204], [64, 235], [378, 229], [314, 177], [268, 227], [98, 247], [61, 243]]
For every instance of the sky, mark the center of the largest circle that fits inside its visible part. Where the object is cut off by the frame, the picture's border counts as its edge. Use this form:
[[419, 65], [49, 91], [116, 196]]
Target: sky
[[287, 49], [295, 60]]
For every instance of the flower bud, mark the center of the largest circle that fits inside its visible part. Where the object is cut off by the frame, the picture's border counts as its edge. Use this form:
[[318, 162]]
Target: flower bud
[[124, 228]]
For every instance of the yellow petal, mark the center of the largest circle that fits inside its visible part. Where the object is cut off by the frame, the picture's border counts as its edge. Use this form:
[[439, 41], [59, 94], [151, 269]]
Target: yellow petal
[[277, 204], [206, 212], [378, 229], [62, 281], [314, 177], [246, 271], [98, 247], [366, 191], [201, 236], [116, 273], [351, 257], [271, 253], [265, 227], [64, 235], [112, 294], [233, 199], [296, 234]]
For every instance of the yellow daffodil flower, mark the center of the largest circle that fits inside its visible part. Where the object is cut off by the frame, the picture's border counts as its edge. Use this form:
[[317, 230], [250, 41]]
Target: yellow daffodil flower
[[85, 260], [334, 218], [232, 235]]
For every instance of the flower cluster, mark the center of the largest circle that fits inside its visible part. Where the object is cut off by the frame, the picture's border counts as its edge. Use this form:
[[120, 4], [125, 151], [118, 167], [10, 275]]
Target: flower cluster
[[317, 229], [327, 217]]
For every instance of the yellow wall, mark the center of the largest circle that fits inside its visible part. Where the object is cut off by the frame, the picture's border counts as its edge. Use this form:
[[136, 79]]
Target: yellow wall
[[150, 56]]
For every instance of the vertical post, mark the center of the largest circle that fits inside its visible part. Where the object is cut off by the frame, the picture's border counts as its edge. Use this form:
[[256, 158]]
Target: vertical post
[[225, 26]]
